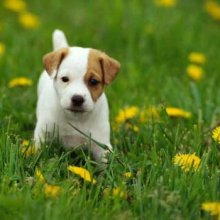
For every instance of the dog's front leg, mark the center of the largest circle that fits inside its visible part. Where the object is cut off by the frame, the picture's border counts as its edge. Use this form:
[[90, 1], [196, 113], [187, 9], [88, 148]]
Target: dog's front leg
[[99, 153], [44, 132]]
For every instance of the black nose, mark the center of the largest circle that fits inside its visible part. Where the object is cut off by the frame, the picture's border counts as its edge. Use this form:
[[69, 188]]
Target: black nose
[[77, 100]]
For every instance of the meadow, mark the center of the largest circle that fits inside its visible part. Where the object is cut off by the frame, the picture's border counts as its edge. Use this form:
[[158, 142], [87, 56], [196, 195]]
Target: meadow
[[164, 111]]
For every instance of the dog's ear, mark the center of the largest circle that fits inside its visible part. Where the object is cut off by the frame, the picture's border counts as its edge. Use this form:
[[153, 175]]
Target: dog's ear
[[53, 60], [110, 68]]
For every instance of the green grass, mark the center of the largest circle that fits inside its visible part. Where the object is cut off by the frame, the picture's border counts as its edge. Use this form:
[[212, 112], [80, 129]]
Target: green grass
[[153, 73]]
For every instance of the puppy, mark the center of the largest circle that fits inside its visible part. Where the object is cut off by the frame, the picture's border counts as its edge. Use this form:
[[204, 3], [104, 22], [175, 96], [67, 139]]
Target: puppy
[[71, 92]]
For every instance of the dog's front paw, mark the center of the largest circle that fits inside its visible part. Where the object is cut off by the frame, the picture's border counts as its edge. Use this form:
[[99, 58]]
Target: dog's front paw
[[100, 154]]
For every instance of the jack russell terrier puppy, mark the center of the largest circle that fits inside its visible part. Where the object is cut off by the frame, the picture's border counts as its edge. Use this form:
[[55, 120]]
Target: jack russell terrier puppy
[[71, 91]]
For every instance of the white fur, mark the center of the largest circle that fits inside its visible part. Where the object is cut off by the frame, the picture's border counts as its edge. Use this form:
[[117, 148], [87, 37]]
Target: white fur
[[54, 100], [59, 40]]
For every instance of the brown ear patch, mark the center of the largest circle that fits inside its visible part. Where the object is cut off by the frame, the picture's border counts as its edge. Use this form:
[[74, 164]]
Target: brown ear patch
[[94, 72], [110, 68], [101, 68], [53, 60]]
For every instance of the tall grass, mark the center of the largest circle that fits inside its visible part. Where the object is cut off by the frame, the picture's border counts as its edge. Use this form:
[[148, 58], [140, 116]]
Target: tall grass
[[152, 43]]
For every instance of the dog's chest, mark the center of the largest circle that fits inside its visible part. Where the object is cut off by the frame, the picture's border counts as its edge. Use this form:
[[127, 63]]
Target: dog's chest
[[74, 141], [72, 138]]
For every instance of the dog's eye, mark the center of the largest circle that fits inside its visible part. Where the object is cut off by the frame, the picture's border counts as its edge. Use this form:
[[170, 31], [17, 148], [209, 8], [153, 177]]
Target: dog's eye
[[93, 82], [65, 79]]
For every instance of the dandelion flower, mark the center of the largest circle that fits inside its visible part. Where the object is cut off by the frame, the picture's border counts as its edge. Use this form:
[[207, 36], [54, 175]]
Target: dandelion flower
[[150, 113], [27, 149], [196, 57], [119, 192], [29, 20], [212, 207], [187, 161], [2, 49], [132, 127], [166, 3], [39, 176], [51, 191], [127, 175], [83, 173], [126, 114], [135, 128], [177, 112], [20, 81], [15, 5], [25, 143], [216, 134], [195, 72], [115, 192], [213, 9]]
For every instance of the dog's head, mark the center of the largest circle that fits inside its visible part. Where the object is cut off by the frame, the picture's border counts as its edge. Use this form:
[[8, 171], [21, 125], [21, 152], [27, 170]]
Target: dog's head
[[80, 75]]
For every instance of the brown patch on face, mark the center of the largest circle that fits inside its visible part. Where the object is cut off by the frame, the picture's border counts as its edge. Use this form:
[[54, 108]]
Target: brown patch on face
[[94, 74], [101, 70], [53, 60]]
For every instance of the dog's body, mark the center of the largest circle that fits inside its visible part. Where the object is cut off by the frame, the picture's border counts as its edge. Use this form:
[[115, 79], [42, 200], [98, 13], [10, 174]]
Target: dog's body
[[70, 91]]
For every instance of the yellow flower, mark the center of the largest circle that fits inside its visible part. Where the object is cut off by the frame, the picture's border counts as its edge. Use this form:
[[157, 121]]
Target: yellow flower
[[115, 192], [212, 207], [26, 149], [20, 81], [177, 112], [25, 143], [2, 49], [213, 9], [119, 192], [83, 173], [51, 191], [132, 127], [196, 57], [166, 3], [187, 161], [195, 72], [29, 20], [150, 113], [126, 114], [216, 134], [135, 128], [15, 5], [128, 175], [39, 176]]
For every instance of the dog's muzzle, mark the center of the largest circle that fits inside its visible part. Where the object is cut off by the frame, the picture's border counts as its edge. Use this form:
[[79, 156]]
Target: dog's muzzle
[[77, 102]]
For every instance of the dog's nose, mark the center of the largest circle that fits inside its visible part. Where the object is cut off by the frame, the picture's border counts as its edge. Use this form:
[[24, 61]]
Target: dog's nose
[[77, 100]]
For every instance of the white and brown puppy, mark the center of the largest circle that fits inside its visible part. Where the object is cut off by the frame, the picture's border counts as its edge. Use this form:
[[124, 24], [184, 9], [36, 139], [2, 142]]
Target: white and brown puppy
[[71, 91]]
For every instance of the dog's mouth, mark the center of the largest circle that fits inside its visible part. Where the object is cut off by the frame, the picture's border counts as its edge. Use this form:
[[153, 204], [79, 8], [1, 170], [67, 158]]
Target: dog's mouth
[[76, 110]]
